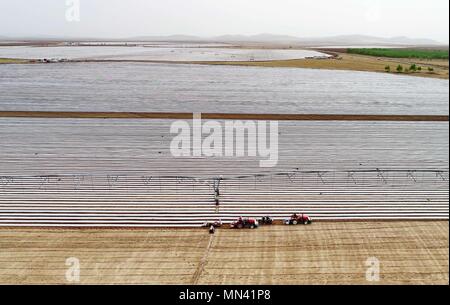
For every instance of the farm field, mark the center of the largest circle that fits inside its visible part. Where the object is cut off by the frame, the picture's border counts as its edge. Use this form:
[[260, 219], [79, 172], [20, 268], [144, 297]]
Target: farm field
[[12, 61], [141, 87], [36, 147], [324, 253], [224, 143], [102, 180], [149, 52], [402, 53], [355, 62], [352, 59], [72, 172]]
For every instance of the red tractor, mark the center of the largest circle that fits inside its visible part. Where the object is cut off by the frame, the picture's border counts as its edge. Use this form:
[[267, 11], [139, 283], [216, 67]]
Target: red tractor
[[299, 219], [245, 223]]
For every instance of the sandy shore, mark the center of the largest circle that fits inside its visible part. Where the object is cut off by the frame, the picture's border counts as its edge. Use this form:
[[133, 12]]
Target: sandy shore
[[323, 253]]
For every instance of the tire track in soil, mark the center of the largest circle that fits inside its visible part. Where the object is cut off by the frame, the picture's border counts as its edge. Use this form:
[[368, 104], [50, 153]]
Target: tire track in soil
[[203, 261]]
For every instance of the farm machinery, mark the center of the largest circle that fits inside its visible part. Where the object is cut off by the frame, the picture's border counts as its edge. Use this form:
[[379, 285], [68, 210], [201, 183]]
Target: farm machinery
[[266, 220], [298, 219], [245, 223], [213, 226]]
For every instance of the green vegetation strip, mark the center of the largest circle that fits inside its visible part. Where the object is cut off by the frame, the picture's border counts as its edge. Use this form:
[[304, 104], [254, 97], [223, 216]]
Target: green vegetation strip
[[11, 61], [222, 116], [402, 53]]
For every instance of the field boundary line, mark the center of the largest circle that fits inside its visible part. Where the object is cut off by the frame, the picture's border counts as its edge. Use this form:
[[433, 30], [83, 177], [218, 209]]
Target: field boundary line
[[222, 116], [203, 261]]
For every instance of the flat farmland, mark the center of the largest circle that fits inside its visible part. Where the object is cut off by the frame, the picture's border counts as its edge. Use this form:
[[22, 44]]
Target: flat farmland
[[142, 147], [147, 87], [324, 253], [115, 173]]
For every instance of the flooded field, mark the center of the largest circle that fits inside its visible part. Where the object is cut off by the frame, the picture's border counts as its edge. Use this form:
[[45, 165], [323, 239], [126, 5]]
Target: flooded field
[[200, 88], [153, 53]]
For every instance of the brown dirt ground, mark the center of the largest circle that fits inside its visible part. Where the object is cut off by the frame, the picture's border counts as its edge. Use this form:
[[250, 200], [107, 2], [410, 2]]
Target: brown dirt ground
[[222, 116], [352, 62], [324, 253]]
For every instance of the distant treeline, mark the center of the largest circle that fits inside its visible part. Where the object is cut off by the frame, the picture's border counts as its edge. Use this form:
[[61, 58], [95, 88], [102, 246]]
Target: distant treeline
[[402, 53]]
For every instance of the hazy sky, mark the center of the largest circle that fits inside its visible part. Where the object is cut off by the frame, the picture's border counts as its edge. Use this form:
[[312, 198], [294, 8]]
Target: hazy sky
[[305, 18]]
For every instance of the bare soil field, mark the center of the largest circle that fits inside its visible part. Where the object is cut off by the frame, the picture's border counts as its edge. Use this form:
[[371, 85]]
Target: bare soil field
[[352, 62], [324, 253]]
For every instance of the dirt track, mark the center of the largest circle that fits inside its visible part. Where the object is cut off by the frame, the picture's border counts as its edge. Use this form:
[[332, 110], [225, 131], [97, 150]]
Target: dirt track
[[324, 253], [222, 116]]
